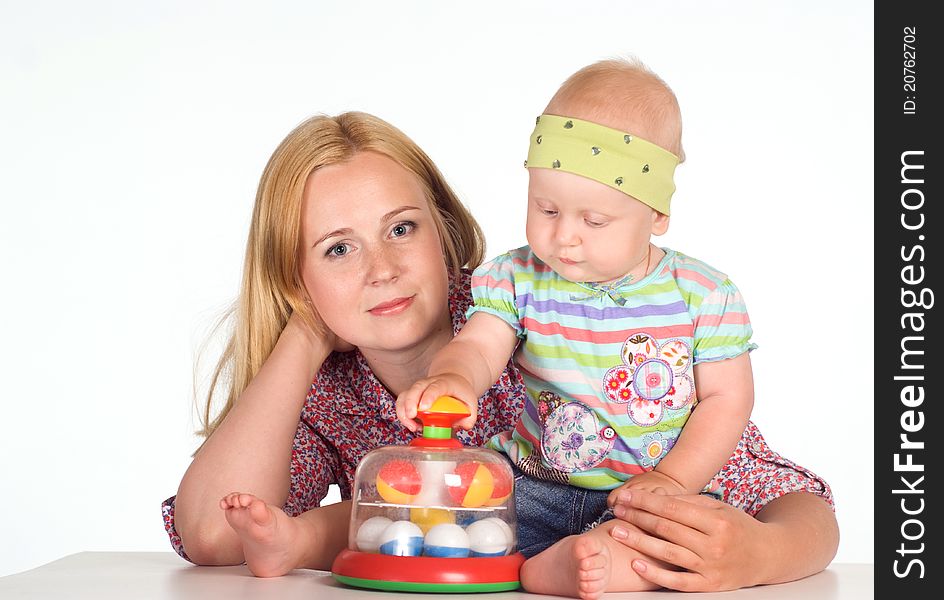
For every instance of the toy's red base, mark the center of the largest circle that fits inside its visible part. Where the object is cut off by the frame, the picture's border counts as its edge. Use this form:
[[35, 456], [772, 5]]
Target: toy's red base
[[413, 570]]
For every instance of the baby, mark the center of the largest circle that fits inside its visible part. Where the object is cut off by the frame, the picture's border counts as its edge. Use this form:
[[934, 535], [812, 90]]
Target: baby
[[617, 339]]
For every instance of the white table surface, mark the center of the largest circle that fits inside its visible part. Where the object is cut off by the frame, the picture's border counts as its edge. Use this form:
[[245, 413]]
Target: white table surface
[[162, 575]]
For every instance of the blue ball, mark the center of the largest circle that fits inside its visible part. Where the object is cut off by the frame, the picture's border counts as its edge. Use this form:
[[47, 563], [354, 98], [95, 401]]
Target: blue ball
[[402, 538], [446, 541]]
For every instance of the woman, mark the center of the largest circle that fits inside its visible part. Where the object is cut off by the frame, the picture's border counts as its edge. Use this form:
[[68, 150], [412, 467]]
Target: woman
[[352, 281]]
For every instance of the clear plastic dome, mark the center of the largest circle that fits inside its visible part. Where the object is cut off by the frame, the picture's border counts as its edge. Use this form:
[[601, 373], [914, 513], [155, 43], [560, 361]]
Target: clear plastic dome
[[434, 516], [442, 502]]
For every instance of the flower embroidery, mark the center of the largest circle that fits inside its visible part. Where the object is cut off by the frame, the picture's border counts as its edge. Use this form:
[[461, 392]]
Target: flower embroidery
[[655, 446], [573, 442], [572, 439], [653, 378]]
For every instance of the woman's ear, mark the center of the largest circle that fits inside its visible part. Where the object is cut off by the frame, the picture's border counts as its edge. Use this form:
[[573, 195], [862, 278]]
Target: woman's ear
[[660, 223]]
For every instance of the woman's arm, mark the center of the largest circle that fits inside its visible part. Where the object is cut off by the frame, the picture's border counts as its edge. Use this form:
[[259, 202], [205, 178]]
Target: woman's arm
[[721, 547], [251, 449], [326, 535]]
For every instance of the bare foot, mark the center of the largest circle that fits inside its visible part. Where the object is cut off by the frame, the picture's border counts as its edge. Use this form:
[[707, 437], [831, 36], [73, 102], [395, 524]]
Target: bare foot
[[267, 533], [577, 566]]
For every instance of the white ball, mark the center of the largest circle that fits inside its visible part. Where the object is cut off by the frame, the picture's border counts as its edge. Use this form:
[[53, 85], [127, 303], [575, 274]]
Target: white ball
[[446, 540], [402, 538], [489, 537], [509, 534], [368, 535]]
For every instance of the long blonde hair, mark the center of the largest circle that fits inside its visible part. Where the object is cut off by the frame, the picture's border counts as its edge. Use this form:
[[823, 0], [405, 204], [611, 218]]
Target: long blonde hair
[[272, 288]]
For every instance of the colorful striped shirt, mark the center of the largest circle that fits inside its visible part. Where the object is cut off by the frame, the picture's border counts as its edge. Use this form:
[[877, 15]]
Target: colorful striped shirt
[[608, 370]]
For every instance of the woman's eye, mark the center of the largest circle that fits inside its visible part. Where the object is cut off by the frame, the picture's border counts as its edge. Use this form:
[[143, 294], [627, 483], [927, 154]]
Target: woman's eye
[[402, 229], [337, 250]]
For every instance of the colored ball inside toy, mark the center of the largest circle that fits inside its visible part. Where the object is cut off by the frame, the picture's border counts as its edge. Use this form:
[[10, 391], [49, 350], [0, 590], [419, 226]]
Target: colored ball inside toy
[[489, 537], [446, 541], [471, 485], [428, 518], [503, 482], [398, 482], [401, 538], [368, 534]]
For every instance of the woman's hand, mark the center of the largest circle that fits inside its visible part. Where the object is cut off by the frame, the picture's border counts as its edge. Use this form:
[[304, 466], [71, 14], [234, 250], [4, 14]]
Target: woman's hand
[[316, 336], [719, 547]]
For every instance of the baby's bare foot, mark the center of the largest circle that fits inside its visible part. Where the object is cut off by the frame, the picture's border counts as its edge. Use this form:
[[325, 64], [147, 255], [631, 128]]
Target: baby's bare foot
[[577, 566], [593, 567], [267, 533]]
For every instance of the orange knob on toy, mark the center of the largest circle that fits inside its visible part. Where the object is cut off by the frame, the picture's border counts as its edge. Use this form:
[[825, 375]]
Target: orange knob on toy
[[438, 421]]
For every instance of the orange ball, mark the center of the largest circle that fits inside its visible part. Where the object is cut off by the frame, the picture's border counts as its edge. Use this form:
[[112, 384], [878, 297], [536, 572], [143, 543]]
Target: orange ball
[[503, 484], [474, 486], [398, 482]]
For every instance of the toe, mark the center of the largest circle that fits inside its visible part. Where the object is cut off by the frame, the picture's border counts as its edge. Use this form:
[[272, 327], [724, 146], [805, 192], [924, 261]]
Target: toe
[[259, 512]]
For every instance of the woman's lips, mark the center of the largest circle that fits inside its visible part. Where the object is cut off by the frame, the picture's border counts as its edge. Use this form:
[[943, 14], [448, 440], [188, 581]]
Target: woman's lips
[[391, 307]]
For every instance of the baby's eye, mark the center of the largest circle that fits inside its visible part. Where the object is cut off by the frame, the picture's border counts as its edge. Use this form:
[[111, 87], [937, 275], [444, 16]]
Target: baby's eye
[[337, 250], [402, 229], [593, 223], [549, 212]]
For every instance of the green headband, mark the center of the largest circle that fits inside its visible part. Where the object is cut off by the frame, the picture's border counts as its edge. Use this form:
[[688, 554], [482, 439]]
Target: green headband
[[617, 159]]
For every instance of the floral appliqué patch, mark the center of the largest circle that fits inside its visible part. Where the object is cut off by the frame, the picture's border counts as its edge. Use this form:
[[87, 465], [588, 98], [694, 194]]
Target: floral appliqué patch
[[572, 439], [653, 378]]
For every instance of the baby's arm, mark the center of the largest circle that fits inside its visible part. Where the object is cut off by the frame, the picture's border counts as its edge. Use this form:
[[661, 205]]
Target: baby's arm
[[464, 368], [725, 392]]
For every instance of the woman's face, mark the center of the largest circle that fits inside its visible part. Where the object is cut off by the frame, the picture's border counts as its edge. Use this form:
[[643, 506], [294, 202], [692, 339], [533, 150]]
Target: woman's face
[[372, 260]]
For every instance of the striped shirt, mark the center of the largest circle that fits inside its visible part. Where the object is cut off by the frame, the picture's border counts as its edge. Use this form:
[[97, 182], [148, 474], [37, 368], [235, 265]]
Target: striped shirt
[[608, 370]]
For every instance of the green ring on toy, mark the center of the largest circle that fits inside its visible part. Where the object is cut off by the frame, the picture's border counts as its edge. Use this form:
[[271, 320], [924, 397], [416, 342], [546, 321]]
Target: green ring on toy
[[410, 586], [437, 433]]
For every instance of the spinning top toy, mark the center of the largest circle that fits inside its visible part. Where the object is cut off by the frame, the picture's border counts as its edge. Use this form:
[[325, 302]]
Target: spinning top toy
[[434, 516]]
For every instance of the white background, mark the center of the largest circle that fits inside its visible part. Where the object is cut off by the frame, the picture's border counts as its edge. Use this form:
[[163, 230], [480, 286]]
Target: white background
[[132, 139]]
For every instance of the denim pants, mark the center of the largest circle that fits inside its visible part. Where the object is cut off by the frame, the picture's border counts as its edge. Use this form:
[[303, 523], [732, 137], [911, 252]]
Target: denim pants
[[548, 512]]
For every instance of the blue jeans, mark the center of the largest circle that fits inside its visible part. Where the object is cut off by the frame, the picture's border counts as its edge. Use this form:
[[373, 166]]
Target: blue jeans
[[548, 512]]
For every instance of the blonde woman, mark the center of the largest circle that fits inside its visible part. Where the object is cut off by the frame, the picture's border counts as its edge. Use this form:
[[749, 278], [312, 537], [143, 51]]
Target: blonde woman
[[355, 275]]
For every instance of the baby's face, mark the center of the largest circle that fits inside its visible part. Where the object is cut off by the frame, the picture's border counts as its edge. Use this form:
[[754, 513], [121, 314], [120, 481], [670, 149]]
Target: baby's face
[[585, 230]]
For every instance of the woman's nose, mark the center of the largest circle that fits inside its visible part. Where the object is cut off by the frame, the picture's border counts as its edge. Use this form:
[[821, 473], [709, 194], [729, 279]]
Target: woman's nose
[[384, 265]]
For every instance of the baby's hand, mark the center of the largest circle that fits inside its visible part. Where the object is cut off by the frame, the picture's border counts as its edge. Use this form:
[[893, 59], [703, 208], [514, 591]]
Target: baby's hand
[[422, 394], [651, 481]]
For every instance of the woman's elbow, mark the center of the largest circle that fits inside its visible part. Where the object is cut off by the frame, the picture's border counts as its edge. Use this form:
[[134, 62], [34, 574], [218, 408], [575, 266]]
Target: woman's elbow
[[211, 545]]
